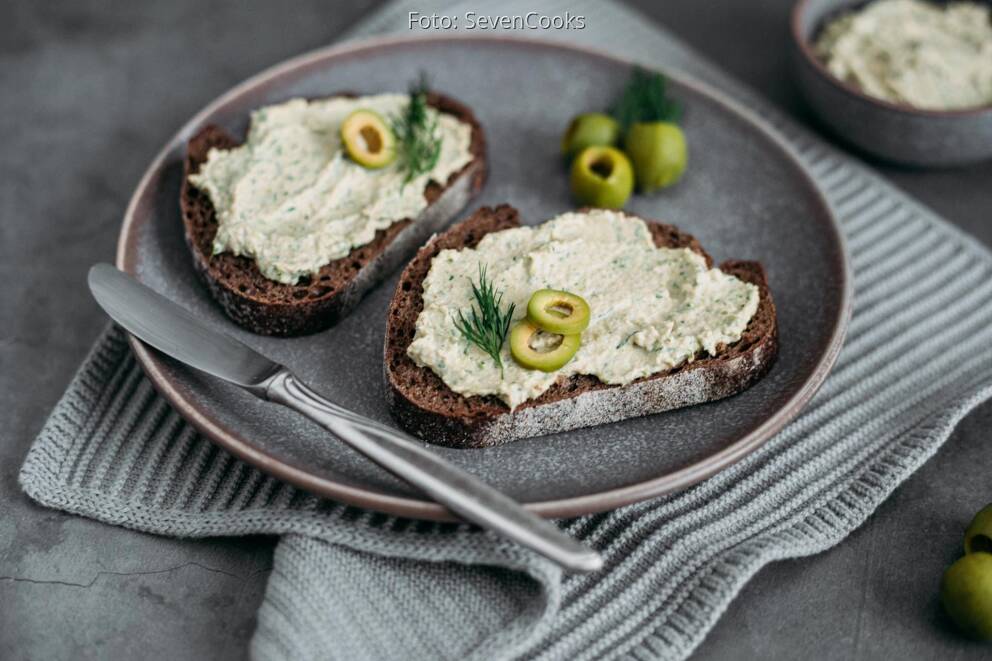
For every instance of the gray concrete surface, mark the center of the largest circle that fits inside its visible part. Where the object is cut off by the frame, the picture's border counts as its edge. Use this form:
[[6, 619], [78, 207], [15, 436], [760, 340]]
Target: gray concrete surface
[[89, 90]]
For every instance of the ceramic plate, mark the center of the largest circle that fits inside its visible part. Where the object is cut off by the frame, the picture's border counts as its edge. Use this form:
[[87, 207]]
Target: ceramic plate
[[743, 196]]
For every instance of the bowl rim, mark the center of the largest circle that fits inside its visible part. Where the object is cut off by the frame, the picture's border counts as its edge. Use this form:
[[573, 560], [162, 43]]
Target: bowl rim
[[803, 45]]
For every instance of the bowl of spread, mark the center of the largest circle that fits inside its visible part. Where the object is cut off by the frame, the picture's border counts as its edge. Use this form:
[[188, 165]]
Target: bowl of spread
[[907, 81]]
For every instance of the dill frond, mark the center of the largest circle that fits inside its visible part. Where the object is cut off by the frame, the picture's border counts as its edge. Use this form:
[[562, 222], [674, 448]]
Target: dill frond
[[486, 324]]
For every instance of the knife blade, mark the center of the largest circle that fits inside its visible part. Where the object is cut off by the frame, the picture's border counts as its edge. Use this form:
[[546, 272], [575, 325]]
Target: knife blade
[[172, 329]]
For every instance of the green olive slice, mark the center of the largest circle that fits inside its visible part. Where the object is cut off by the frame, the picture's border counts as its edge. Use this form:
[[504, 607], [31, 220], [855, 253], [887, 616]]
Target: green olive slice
[[368, 140], [557, 311], [538, 350]]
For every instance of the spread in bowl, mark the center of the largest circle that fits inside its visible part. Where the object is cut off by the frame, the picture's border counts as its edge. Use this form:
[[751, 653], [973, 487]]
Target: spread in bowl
[[912, 52], [652, 308], [291, 199]]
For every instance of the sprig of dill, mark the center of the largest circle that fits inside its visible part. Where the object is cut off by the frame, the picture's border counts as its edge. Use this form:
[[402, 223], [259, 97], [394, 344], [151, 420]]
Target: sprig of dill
[[416, 133], [645, 100], [487, 326]]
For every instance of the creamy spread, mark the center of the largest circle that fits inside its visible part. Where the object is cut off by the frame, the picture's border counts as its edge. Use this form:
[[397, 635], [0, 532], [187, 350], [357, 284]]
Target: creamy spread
[[292, 200], [651, 308], [917, 53]]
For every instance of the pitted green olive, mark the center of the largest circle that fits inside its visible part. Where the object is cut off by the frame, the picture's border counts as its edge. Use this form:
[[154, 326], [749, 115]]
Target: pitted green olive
[[602, 177], [978, 536], [658, 153], [535, 349], [368, 140], [966, 593], [589, 129], [559, 312]]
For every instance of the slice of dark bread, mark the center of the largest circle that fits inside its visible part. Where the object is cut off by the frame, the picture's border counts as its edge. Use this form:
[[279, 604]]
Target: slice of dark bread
[[422, 403], [273, 308]]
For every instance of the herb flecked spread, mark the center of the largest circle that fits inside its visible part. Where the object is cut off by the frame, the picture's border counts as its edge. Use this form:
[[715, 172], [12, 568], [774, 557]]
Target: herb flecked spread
[[292, 200], [652, 308], [918, 53]]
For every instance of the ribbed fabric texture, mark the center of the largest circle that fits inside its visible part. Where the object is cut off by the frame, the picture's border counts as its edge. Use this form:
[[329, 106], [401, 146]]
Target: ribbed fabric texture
[[350, 584]]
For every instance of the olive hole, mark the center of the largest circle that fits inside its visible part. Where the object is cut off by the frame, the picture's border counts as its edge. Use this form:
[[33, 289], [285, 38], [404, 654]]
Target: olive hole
[[543, 342], [602, 167], [373, 142], [560, 309], [981, 544]]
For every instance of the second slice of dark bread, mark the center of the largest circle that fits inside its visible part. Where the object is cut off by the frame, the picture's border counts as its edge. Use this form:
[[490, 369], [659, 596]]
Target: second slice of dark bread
[[424, 405], [273, 308]]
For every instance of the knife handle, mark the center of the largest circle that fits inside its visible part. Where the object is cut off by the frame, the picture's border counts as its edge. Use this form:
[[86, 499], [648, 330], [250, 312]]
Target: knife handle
[[460, 492]]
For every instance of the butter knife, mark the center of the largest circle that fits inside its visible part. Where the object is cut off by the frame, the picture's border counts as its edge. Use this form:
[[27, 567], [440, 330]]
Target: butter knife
[[173, 330]]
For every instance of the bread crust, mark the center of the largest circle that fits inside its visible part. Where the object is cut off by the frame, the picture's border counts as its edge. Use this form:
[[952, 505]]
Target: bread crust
[[425, 406], [315, 303]]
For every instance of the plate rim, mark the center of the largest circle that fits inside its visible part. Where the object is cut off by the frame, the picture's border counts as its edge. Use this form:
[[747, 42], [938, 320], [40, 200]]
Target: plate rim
[[243, 448]]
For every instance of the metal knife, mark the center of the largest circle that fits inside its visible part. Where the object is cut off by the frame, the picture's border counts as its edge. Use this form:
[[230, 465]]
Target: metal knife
[[173, 330]]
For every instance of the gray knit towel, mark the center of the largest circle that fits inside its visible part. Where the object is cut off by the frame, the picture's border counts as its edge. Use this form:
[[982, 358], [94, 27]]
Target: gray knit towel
[[350, 584]]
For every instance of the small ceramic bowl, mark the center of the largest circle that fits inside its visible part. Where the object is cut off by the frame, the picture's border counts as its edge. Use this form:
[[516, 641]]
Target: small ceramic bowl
[[893, 132]]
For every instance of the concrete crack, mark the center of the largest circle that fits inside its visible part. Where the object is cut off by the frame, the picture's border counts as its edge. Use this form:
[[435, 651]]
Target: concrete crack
[[101, 574]]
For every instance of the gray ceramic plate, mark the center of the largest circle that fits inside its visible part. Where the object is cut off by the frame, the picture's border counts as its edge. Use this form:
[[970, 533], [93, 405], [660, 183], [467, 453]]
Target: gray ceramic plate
[[743, 196]]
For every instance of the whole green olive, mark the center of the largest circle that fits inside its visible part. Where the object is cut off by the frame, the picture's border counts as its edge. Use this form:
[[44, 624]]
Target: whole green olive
[[966, 593], [978, 536], [602, 177], [658, 152], [591, 129]]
